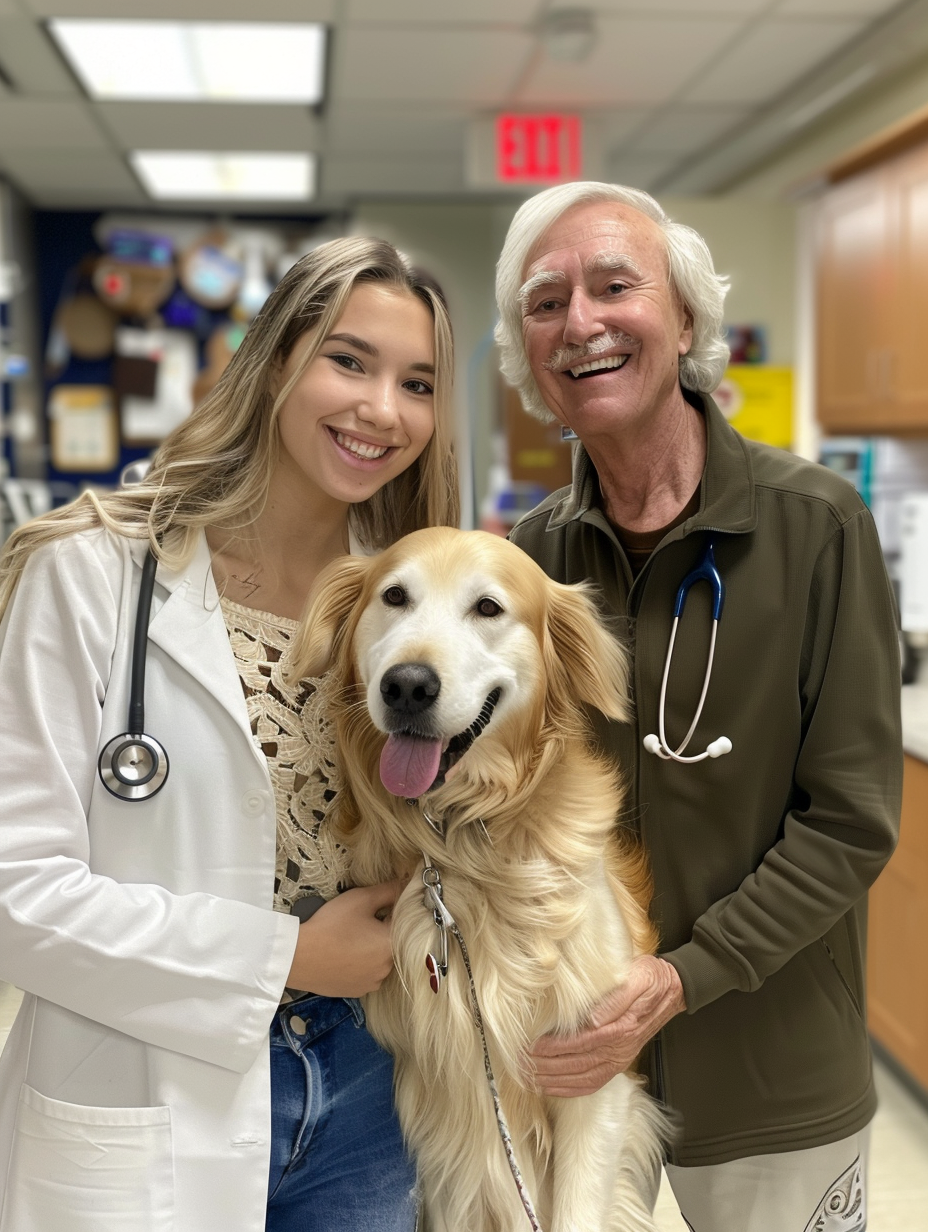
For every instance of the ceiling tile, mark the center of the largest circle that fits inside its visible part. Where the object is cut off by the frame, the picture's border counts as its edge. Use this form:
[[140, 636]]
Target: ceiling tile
[[618, 124], [427, 66], [30, 60], [683, 8], [72, 176], [635, 60], [48, 124], [684, 130], [412, 177], [434, 12], [368, 128], [638, 170], [210, 126], [776, 53], [835, 8], [191, 10]]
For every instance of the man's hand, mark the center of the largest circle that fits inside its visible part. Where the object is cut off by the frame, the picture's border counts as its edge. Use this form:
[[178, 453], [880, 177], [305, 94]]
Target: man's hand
[[620, 1026]]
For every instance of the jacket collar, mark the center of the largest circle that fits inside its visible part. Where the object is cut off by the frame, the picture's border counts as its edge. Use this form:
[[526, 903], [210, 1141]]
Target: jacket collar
[[727, 488], [188, 625]]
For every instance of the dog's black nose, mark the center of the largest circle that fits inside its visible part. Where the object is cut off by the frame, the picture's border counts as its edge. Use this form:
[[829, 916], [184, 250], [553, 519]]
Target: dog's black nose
[[409, 687]]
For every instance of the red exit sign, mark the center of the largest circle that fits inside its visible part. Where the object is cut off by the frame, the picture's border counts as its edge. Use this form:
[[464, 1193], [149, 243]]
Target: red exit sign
[[538, 149]]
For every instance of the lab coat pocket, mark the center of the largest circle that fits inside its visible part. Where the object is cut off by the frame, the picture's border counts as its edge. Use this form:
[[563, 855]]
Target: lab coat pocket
[[89, 1169]]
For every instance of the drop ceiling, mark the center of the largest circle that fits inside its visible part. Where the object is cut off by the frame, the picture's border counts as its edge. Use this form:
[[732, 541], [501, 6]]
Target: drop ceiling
[[683, 93]]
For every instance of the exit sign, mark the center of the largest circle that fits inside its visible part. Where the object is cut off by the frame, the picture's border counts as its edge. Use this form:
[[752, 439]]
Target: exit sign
[[538, 149]]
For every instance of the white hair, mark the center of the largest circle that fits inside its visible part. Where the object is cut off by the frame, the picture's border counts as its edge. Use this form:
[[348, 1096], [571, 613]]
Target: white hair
[[691, 274]]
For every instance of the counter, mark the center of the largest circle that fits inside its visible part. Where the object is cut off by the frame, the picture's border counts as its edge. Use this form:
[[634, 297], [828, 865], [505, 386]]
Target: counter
[[897, 983]]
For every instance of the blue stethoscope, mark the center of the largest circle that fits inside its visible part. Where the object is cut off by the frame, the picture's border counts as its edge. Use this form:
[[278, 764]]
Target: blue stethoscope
[[705, 571]]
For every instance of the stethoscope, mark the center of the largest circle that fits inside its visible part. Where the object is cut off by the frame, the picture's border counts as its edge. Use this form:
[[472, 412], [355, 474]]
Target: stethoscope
[[706, 571], [134, 766]]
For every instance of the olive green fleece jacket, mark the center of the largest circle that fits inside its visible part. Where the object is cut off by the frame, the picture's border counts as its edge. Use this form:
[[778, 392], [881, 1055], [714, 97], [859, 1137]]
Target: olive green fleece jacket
[[762, 858]]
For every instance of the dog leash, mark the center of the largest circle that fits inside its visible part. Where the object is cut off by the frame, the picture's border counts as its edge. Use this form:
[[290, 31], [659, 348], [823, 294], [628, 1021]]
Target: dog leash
[[438, 969]]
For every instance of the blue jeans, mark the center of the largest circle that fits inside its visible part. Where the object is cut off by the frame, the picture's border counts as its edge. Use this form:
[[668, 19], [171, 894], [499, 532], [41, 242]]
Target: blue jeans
[[338, 1163]]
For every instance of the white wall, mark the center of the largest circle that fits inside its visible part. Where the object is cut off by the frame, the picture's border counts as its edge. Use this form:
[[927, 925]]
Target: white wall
[[457, 244], [754, 243]]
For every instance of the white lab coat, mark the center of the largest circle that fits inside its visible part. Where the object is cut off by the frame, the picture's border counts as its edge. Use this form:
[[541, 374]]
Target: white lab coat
[[134, 1088]]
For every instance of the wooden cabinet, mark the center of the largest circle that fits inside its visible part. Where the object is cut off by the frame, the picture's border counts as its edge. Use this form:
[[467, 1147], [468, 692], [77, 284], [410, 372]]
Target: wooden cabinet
[[897, 967], [872, 300]]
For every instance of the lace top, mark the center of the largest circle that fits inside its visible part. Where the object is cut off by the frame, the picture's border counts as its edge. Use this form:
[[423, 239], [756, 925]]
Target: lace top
[[290, 725]]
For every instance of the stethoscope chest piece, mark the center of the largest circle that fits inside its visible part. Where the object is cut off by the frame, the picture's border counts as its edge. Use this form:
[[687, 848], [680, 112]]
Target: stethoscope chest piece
[[133, 767]]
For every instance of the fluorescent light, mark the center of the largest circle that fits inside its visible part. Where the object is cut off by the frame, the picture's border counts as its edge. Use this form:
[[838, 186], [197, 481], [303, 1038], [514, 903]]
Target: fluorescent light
[[187, 175], [187, 61]]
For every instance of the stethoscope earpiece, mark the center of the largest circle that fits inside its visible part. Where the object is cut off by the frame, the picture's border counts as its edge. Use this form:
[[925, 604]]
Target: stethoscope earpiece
[[134, 766], [705, 571]]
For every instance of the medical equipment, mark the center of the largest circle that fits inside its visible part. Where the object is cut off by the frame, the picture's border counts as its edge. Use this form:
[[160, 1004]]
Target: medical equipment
[[705, 571], [134, 766]]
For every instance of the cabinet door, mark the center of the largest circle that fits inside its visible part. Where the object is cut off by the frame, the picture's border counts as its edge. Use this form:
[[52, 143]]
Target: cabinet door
[[897, 965], [852, 294], [906, 371]]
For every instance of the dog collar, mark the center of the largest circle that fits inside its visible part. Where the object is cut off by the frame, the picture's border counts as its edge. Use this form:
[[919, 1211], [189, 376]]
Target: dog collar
[[438, 827]]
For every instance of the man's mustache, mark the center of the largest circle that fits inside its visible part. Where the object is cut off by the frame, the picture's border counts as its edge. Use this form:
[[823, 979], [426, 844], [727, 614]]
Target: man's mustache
[[570, 356]]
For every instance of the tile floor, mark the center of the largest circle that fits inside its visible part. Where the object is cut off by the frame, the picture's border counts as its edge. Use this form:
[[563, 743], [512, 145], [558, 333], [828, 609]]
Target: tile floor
[[898, 1152]]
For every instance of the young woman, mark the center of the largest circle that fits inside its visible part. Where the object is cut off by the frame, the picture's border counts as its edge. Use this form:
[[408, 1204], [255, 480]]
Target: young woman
[[137, 1089]]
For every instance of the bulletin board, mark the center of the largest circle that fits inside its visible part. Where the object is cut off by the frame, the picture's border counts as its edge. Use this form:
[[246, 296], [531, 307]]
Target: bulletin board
[[143, 320]]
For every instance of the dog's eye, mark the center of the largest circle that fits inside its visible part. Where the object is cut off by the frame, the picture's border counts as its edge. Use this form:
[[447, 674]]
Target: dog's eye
[[394, 596], [488, 607]]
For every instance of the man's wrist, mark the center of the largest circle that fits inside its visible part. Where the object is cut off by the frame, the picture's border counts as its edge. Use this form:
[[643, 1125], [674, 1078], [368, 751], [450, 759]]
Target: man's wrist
[[677, 997]]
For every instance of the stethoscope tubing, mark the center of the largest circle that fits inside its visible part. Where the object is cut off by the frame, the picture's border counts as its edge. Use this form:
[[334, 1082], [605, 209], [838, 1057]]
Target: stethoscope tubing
[[665, 750], [705, 571], [136, 714]]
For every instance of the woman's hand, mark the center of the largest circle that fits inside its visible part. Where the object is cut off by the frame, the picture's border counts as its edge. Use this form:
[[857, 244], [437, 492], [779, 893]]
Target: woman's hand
[[343, 949]]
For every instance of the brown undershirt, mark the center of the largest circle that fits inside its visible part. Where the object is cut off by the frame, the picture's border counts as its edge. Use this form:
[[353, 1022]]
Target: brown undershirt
[[639, 545]]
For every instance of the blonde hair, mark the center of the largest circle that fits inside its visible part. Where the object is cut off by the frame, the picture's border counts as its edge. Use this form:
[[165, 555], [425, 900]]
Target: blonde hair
[[216, 467], [692, 276]]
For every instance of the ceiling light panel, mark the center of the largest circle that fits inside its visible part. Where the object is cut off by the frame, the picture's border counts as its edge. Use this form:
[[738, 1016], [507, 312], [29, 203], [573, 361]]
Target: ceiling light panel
[[192, 175], [185, 61]]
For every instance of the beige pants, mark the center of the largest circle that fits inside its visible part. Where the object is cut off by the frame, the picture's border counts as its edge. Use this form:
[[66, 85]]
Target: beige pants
[[818, 1190]]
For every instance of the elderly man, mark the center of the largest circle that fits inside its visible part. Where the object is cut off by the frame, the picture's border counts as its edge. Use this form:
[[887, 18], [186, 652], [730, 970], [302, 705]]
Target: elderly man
[[761, 851]]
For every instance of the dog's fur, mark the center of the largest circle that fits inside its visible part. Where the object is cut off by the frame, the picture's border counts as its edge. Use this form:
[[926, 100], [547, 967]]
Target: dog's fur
[[551, 904]]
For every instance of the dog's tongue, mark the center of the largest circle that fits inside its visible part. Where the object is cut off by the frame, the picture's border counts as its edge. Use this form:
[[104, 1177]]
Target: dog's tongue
[[409, 765]]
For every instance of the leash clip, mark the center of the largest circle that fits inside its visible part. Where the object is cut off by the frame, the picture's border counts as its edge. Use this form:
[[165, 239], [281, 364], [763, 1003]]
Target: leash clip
[[437, 967]]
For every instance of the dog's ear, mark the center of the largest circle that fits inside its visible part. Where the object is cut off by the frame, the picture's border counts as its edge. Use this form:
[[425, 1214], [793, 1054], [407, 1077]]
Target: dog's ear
[[332, 601], [588, 661]]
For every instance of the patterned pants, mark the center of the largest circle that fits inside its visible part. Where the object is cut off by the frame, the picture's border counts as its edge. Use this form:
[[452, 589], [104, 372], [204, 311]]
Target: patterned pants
[[823, 1189]]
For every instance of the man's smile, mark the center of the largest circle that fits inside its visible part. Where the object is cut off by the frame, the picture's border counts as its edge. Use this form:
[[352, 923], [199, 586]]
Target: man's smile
[[597, 365]]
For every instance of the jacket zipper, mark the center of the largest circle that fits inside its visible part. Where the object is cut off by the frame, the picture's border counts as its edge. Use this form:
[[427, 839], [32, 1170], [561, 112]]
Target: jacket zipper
[[855, 1000]]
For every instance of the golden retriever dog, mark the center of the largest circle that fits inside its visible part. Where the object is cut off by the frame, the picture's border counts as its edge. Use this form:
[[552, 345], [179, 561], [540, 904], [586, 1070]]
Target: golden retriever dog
[[460, 673]]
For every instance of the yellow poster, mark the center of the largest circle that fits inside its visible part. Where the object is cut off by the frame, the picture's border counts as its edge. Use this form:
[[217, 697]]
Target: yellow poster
[[757, 400]]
